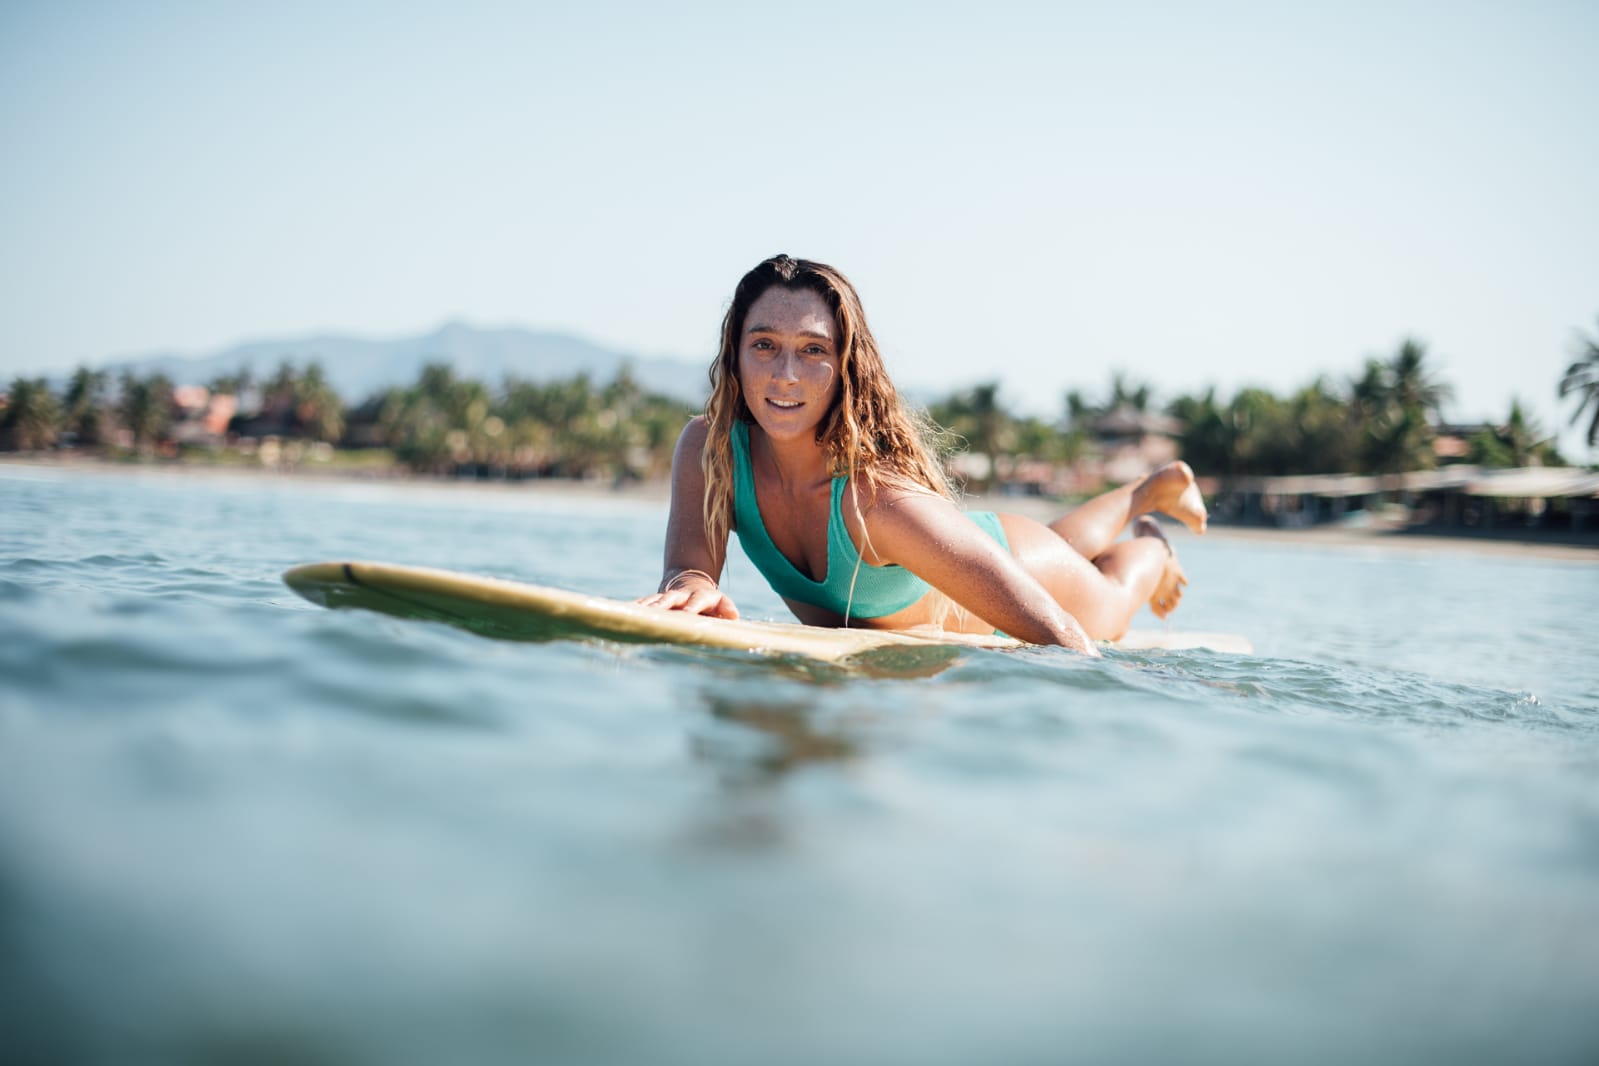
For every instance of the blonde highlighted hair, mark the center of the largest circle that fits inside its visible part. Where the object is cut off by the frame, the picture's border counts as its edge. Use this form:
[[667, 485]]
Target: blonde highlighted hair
[[867, 434]]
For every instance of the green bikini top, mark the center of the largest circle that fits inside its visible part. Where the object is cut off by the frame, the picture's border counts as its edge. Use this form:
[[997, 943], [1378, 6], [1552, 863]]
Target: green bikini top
[[877, 591]]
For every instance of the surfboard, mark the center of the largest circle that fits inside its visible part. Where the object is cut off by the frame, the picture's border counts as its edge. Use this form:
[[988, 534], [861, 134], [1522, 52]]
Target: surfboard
[[518, 611]]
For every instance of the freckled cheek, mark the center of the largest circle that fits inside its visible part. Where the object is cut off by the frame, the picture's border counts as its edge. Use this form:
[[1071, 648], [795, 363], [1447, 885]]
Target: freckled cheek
[[748, 374]]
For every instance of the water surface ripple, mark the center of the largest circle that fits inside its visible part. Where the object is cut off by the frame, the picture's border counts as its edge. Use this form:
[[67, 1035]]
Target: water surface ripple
[[238, 828]]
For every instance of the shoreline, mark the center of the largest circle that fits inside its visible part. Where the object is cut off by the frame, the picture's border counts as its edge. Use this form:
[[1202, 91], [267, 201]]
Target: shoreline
[[396, 477], [1502, 544]]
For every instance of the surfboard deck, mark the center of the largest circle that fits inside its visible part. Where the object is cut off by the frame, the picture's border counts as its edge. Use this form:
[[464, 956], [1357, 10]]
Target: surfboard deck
[[518, 611]]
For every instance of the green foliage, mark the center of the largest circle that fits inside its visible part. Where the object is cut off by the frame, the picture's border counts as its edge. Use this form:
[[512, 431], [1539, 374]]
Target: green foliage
[[565, 428], [301, 403], [1126, 394], [85, 415], [145, 408], [1210, 433], [1521, 441], [976, 418], [317, 408], [1383, 423], [31, 418], [1581, 380], [232, 384], [1391, 406]]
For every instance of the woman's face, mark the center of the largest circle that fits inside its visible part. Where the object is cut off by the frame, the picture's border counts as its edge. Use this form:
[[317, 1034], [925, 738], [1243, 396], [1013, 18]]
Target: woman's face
[[788, 361]]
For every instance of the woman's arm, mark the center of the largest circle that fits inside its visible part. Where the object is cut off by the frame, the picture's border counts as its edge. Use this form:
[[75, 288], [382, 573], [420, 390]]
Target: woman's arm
[[929, 536], [693, 564]]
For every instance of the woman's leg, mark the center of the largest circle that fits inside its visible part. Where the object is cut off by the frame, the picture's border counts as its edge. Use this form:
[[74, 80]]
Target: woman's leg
[[1095, 525], [1104, 594], [1169, 589]]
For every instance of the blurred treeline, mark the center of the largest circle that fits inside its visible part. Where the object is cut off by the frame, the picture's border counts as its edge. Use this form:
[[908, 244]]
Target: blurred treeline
[[441, 423], [1384, 419]]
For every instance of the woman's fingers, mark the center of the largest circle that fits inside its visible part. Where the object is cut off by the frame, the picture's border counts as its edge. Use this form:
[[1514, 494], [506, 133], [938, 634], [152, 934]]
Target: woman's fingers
[[710, 602], [671, 600], [692, 601]]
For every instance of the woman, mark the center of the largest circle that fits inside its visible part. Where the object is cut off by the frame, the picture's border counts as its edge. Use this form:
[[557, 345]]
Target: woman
[[805, 451]]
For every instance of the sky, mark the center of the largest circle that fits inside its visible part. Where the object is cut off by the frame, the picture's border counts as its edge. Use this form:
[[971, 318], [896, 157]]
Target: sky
[[1203, 194]]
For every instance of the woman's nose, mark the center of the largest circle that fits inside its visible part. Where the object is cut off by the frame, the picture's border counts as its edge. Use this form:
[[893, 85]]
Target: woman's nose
[[788, 366]]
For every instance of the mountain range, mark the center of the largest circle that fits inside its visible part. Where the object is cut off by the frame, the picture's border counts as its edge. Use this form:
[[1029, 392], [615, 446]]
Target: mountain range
[[358, 367]]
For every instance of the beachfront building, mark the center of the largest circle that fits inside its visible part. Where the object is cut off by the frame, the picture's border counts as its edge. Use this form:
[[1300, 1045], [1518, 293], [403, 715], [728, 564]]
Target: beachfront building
[[1551, 501], [1130, 442], [200, 417]]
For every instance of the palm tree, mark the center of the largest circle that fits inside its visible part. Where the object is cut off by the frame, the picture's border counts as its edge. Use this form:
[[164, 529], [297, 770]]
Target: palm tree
[[1125, 392], [1394, 404], [283, 379], [1078, 410], [992, 420], [1209, 437], [1040, 438], [1369, 393], [318, 411], [1524, 437], [977, 416], [1415, 387], [417, 421], [1254, 417], [85, 414], [571, 408], [624, 393], [1582, 380], [31, 416], [1318, 431], [233, 384], [146, 408], [1521, 441]]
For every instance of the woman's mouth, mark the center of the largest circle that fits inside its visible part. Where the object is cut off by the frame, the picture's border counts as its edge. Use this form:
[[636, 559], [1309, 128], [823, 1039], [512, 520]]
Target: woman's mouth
[[785, 405]]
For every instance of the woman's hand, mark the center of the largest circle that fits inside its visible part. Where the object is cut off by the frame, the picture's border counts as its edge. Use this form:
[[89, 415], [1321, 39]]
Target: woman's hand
[[687, 587], [693, 592]]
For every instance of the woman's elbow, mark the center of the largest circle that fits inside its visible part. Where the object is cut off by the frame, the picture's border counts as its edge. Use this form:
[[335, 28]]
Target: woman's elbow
[[1068, 633]]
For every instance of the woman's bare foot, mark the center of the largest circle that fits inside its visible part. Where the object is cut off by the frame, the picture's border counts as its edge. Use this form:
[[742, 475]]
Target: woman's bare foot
[[1169, 589], [1171, 490]]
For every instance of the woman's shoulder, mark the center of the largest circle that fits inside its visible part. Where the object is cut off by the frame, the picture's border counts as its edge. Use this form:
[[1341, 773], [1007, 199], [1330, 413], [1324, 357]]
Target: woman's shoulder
[[896, 499], [893, 494], [696, 431], [886, 486], [899, 518]]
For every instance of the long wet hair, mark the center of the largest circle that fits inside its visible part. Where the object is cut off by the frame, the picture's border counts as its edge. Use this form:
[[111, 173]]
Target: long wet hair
[[867, 433]]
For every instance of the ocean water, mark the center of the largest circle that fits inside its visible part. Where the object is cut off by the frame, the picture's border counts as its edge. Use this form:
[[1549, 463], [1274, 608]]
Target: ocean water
[[238, 828]]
